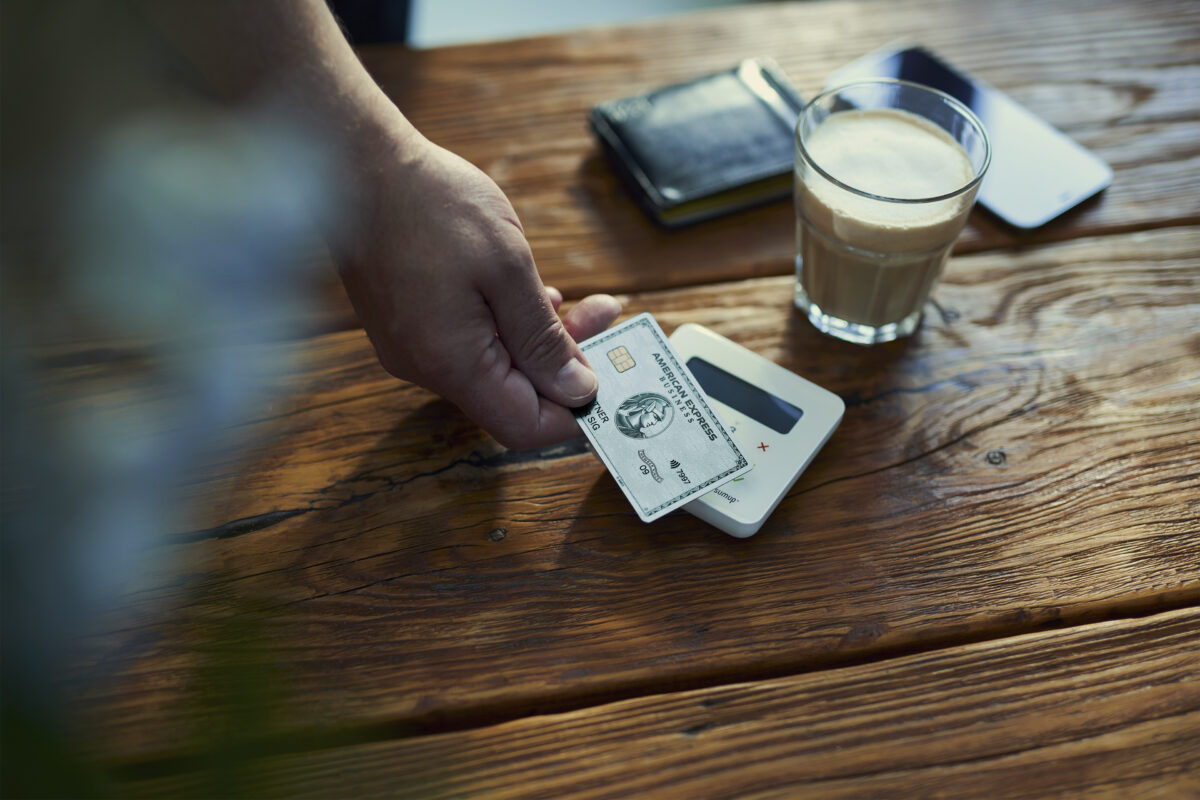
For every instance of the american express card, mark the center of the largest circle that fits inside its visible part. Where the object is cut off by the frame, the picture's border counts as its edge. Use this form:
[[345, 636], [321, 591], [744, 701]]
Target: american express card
[[650, 423]]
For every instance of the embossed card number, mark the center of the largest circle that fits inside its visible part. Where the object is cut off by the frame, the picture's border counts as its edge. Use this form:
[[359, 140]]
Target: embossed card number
[[651, 425]]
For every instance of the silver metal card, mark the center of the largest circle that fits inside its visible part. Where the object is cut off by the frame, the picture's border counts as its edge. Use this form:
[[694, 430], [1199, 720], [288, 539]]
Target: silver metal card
[[651, 424]]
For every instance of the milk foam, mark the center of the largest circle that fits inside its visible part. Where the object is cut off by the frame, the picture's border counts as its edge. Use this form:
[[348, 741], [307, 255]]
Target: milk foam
[[890, 153]]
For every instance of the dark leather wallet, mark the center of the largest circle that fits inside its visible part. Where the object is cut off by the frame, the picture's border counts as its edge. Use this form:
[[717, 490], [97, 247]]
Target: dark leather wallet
[[710, 146]]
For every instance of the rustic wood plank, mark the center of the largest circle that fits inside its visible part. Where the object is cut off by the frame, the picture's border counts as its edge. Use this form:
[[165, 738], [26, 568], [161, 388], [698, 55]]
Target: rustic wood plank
[[1120, 77], [1029, 458], [1105, 710]]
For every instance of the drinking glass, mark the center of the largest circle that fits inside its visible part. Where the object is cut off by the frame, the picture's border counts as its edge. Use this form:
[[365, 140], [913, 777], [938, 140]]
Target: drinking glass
[[880, 197]]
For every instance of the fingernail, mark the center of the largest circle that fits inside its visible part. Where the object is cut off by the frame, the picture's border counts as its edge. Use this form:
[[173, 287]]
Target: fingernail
[[575, 380]]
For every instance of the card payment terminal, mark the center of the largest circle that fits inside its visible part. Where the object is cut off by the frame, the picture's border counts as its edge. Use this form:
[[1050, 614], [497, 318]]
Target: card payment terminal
[[778, 418]]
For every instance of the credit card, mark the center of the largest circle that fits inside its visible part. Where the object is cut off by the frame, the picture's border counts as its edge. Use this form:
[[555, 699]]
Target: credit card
[[650, 423]]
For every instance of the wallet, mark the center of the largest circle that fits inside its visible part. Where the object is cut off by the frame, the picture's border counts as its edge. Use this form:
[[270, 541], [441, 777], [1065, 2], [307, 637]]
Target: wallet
[[712, 145]]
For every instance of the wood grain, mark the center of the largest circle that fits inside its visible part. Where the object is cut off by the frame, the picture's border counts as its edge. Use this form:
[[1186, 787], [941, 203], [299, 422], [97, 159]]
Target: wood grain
[[1105, 710], [1119, 77], [1030, 458], [986, 585]]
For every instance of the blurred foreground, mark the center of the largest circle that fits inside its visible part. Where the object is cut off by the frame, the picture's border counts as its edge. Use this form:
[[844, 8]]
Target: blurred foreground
[[149, 242]]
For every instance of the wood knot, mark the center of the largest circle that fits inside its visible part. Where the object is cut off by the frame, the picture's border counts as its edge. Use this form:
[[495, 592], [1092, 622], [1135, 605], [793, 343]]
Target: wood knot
[[996, 457], [696, 730], [497, 534]]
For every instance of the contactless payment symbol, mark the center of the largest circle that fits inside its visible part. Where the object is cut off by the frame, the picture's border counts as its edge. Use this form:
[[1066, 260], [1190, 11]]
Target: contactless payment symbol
[[644, 415], [621, 359]]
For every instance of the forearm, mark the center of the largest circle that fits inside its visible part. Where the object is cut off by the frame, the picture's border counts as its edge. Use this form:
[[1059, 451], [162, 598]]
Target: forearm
[[285, 52]]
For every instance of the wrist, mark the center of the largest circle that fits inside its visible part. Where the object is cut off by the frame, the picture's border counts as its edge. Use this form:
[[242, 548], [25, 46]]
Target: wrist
[[375, 136], [380, 155]]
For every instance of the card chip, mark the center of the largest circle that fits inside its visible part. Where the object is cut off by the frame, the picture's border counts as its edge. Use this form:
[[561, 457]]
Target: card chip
[[621, 359]]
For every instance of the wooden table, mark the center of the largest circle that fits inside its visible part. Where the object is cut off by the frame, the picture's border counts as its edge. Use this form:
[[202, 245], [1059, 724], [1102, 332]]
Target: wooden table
[[986, 585]]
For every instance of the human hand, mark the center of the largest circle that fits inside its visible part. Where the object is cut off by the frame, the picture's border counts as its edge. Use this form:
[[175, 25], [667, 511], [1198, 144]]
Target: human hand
[[442, 278], [430, 250]]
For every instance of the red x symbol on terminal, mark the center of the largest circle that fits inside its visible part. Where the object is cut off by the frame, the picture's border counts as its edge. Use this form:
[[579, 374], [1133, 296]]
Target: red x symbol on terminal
[[763, 446]]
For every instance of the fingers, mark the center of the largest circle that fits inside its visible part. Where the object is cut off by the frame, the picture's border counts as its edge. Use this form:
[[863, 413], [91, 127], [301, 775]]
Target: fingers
[[534, 336], [591, 315], [503, 401]]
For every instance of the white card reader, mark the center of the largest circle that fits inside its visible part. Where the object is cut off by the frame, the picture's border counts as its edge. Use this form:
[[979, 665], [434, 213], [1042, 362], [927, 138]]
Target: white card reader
[[780, 419]]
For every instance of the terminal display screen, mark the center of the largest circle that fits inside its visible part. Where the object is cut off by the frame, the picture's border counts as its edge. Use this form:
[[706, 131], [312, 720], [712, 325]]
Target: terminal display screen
[[744, 397]]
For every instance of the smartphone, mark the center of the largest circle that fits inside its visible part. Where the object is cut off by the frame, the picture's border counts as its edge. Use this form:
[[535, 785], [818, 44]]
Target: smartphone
[[1037, 172]]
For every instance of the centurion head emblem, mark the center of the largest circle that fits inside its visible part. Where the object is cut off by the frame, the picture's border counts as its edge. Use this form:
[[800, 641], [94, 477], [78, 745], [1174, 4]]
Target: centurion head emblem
[[644, 415]]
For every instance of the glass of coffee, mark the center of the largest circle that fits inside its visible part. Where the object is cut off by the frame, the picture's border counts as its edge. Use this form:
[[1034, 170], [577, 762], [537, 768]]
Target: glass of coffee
[[886, 173]]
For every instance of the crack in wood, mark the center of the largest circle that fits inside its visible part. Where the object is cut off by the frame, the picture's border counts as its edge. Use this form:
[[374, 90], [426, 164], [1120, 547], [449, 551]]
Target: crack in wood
[[260, 522], [238, 527]]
